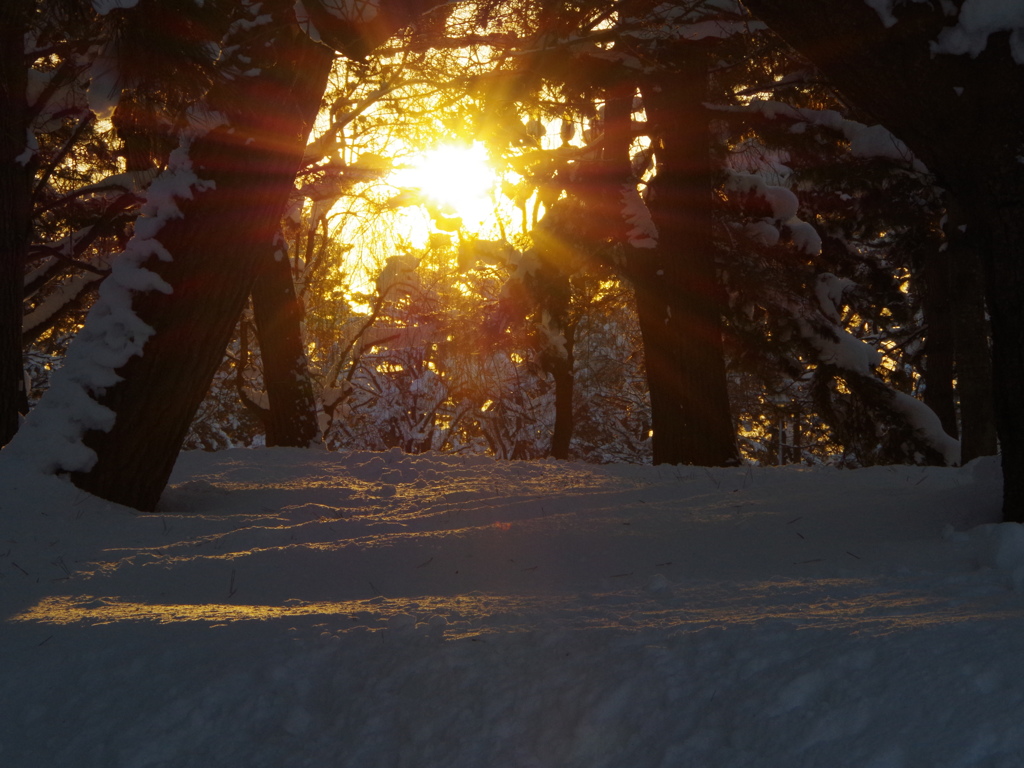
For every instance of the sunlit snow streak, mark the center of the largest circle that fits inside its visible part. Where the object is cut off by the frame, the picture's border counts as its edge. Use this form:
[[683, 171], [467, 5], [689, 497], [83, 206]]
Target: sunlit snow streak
[[462, 616]]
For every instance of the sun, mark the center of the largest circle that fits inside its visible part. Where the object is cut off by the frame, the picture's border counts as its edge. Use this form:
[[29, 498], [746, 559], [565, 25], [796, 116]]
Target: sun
[[457, 181]]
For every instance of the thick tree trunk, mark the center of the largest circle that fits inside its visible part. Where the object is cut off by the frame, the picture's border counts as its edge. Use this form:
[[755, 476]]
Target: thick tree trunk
[[15, 211], [973, 354], [291, 418], [1005, 274], [964, 117], [215, 247], [679, 300], [940, 341]]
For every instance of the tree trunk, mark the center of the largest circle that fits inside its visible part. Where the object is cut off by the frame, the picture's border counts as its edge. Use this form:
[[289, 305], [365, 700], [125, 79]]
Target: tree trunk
[[964, 117], [215, 247], [562, 371], [679, 301], [973, 355], [550, 290], [1004, 271], [15, 211], [940, 341], [291, 419]]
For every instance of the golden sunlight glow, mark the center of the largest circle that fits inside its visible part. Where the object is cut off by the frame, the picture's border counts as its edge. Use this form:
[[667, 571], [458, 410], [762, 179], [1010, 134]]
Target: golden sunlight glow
[[456, 181], [886, 611]]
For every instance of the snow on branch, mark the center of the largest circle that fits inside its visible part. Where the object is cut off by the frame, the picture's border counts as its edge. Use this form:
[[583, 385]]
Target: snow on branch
[[865, 140], [641, 231], [103, 7], [976, 21], [51, 438], [783, 204], [842, 349]]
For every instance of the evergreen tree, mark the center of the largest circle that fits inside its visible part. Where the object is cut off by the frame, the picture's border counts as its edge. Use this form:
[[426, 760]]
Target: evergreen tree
[[961, 116], [160, 328], [15, 209]]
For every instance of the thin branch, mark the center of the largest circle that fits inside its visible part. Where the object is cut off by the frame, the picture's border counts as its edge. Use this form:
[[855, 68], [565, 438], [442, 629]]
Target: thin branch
[[64, 151]]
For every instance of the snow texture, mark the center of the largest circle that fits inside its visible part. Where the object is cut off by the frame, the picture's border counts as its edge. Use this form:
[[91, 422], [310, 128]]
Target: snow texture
[[975, 23], [865, 140], [830, 291], [641, 232], [57, 299], [660, 27], [852, 354], [979, 20], [300, 608], [783, 202], [554, 340], [926, 423], [103, 7], [763, 232], [804, 236], [51, 438], [845, 351], [884, 10], [784, 205], [305, 23]]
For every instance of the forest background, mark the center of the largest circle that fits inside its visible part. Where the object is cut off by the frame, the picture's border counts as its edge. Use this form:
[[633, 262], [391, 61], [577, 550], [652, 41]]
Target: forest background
[[698, 245]]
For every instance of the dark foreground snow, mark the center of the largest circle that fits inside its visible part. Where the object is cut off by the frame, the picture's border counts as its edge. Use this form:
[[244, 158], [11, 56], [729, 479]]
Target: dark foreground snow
[[302, 608]]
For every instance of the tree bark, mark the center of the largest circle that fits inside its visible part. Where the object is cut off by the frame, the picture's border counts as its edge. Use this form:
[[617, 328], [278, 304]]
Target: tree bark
[[550, 290], [679, 300], [562, 371], [15, 211], [973, 355], [964, 118], [940, 341], [291, 418], [215, 246]]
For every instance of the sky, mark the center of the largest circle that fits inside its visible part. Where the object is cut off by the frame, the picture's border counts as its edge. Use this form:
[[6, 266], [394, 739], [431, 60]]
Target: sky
[[290, 607]]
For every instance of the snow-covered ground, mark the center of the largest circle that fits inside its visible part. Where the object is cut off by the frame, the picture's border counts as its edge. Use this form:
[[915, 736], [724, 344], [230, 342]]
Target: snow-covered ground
[[303, 608]]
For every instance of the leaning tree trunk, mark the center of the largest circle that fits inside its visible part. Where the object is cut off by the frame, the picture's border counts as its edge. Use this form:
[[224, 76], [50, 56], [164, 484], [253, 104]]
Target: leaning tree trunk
[[15, 210], [215, 246], [679, 299], [291, 417], [964, 117], [138, 371]]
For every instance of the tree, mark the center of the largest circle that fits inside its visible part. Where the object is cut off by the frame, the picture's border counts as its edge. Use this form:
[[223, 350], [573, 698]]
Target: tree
[[290, 417], [960, 265], [679, 297], [139, 370], [15, 209], [672, 272], [831, 312], [963, 116]]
